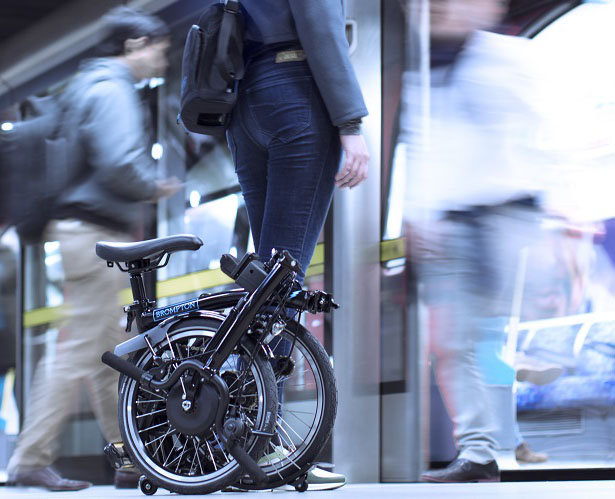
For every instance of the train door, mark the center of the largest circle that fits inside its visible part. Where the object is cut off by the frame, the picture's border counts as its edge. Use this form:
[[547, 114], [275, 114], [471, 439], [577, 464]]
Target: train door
[[560, 323]]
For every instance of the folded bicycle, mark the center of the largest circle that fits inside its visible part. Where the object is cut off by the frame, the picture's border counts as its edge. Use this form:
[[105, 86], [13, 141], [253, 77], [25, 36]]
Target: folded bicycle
[[227, 389]]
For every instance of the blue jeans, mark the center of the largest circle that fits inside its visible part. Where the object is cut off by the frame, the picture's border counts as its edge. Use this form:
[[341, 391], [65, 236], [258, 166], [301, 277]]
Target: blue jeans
[[286, 153], [469, 279]]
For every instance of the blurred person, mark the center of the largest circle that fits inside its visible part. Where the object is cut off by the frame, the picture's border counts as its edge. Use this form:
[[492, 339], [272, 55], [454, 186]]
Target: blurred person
[[8, 299], [472, 205], [114, 176], [8, 271], [299, 109], [8, 285], [9, 263], [7, 116]]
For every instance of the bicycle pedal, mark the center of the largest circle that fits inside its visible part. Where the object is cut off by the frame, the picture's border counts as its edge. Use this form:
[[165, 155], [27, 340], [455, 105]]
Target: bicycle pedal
[[117, 455]]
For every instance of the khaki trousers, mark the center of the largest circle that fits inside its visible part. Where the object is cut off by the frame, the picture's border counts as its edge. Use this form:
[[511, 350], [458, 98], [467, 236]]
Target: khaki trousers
[[91, 326]]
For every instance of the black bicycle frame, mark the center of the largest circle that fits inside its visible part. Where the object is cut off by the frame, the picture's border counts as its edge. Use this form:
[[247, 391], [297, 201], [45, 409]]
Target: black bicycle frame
[[213, 301], [243, 308], [239, 318]]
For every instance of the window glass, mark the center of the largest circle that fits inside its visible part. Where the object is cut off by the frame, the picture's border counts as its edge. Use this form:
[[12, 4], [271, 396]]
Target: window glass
[[568, 310]]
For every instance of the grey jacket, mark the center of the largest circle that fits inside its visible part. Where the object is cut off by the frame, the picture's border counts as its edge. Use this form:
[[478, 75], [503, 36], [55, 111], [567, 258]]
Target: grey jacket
[[318, 25], [110, 168]]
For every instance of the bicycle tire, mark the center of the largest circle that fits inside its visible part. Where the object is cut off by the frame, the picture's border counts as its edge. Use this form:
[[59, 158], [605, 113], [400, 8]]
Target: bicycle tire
[[305, 452], [217, 468]]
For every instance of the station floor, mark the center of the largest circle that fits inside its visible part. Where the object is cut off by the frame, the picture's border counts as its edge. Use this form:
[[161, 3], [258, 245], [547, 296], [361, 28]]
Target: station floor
[[509, 490]]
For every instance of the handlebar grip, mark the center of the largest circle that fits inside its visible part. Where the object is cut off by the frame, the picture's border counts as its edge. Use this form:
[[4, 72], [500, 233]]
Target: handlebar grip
[[122, 366]]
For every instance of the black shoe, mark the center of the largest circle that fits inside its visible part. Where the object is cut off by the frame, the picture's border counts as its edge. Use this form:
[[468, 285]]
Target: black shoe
[[462, 470], [46, 478]]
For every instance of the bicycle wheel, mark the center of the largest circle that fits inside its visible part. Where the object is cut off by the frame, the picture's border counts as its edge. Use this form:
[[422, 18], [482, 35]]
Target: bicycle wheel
[[308, 405], [195, 461]]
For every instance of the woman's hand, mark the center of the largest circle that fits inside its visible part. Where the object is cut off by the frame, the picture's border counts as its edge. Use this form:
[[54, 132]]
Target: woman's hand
[[356, 160]]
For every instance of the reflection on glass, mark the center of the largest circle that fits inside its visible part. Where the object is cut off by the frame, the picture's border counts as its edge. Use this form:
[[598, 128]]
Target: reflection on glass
[[544, 328], [567, 327]]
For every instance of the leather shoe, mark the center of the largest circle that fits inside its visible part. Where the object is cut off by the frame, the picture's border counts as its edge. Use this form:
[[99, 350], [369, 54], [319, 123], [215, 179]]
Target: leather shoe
[[525, 454], [126, 478], [46, 478], [462, 470], [536, 371]]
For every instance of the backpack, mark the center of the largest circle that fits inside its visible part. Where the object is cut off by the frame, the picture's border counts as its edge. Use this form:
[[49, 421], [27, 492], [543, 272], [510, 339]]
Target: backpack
[[212, 65], [34, 156]]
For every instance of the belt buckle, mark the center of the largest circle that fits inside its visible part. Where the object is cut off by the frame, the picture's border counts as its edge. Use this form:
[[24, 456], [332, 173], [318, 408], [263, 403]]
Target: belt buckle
[[290, 56]]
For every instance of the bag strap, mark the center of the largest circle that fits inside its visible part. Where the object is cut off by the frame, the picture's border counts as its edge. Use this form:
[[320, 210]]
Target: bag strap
[[229, 68]]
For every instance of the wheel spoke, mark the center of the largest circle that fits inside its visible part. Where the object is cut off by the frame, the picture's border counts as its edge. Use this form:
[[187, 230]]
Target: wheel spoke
[[170, 432], [230, 388], [175, 447], [221, 447], [289, 440], [150, 413], [294, 414], [160, 397], [211, 455], [196, 458], [290, 427], [161, 441], [193, 458], [271, 463], [164, 464], [155, 426], [288, 456]]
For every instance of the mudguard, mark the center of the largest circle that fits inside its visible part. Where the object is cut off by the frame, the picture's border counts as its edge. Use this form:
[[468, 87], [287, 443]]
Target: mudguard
[[158, 333]]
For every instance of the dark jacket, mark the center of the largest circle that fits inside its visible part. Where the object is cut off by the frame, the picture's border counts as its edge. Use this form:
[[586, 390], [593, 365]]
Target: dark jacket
[[110, 168], [319, 27]]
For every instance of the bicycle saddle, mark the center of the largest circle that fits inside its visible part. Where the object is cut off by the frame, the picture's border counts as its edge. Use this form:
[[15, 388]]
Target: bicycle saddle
[[152, 248]]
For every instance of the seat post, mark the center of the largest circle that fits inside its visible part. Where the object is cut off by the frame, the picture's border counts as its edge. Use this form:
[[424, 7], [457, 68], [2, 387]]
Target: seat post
[[138, 289], [140, 304]]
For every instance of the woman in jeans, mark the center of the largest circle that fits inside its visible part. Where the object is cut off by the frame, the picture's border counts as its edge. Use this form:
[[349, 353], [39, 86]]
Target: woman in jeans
[[299, 107]]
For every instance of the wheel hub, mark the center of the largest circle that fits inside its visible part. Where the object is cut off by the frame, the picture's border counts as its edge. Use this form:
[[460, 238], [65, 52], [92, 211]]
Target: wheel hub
[[192, 418]]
